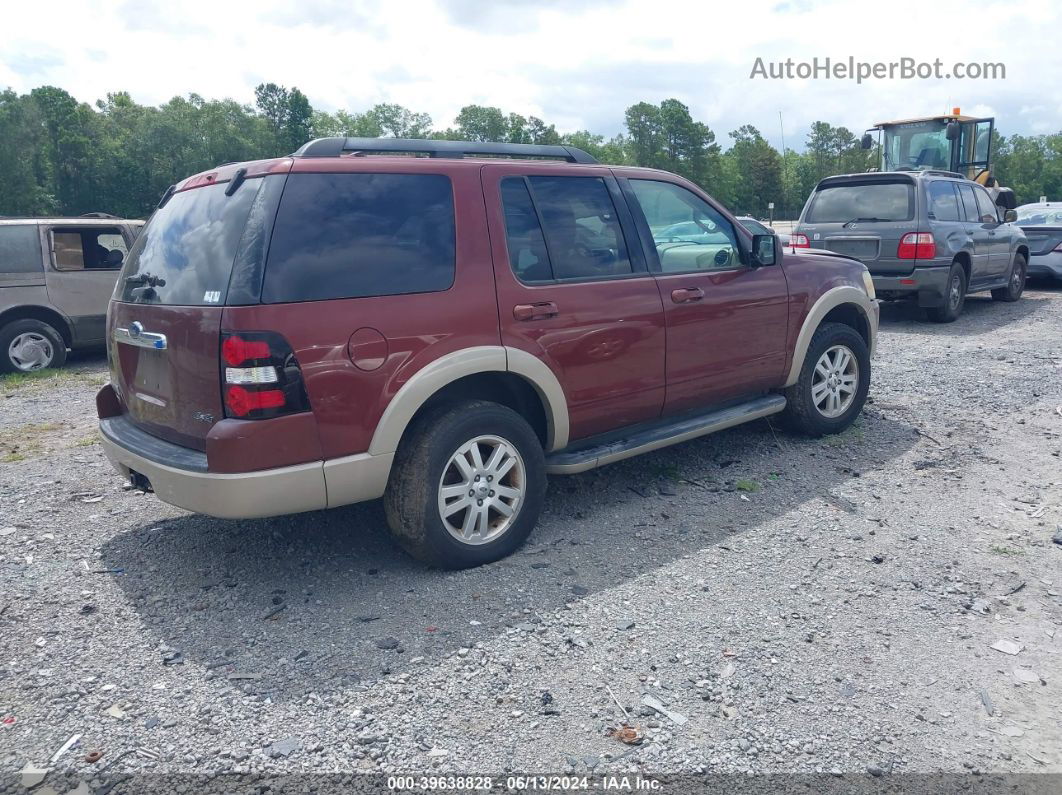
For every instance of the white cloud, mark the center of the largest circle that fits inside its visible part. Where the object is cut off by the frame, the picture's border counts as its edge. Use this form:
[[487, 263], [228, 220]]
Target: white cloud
[[577, 63]]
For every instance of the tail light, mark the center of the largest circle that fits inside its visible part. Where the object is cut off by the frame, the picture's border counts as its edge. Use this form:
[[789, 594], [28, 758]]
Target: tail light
[[799, 241], [916, 245], [261, 377]]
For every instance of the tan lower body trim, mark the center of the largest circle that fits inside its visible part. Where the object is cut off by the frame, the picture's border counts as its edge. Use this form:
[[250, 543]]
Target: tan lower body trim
[[357, 478]]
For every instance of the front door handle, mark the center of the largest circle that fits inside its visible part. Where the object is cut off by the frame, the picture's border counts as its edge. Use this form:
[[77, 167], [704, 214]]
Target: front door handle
[[535, 311], [685, 295]]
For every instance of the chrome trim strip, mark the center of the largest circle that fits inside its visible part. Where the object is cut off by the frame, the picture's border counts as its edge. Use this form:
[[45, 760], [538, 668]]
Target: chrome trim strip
[[145, 339]]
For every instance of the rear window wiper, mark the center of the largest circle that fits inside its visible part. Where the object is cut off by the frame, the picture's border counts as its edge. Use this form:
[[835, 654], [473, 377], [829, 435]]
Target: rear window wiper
[[854, 220], [145, 278]]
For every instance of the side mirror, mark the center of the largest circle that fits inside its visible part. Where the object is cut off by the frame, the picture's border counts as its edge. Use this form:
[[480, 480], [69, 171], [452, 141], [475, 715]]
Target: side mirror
[[763, 250], [1010, 216], [867, 141], [952, 131]]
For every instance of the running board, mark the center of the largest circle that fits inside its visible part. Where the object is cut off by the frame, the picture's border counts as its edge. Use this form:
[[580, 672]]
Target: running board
[[607, 448]]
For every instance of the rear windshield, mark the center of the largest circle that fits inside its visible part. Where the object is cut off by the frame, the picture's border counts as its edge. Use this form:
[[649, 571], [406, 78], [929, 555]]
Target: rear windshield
[[354, 235], [184, 255], [866, 201]]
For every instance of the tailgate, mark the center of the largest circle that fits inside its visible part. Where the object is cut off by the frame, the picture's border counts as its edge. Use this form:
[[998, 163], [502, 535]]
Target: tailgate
[[164, 366]]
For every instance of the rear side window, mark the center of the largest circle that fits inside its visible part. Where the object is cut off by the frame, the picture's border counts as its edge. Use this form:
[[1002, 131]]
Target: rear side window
[[20, 249], [943, 203], [358, 235], [95, 248], [969, 203], [184, 255], [870, 201], [579, 229]]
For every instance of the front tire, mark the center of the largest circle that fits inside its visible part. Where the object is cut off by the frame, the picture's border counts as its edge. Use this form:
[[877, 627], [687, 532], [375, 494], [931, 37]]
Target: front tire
[[954, 297], [833, 382], [29, 345], [467, 485], [1016, 282]]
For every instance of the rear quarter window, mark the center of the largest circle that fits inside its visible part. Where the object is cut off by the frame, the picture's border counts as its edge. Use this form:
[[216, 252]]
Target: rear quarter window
[[20, 249], [884, 201], [357, 235]]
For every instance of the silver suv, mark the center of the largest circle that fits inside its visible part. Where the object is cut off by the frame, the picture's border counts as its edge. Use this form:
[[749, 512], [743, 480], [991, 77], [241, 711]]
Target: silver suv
[[930, 236], [56, 278]]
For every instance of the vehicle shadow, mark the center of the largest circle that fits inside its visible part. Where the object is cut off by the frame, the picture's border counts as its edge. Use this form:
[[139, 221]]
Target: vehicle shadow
[[313, 602], [980, 315]]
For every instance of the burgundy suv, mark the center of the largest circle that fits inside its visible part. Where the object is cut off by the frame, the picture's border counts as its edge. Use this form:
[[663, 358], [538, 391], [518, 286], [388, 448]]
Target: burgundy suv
[[443, 331]]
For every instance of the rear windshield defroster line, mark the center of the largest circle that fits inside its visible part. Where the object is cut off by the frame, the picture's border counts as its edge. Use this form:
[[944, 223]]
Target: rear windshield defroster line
[[184, 255]]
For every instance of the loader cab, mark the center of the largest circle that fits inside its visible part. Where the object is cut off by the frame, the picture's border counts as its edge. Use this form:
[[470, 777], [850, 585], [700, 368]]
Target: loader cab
[[961, 144]]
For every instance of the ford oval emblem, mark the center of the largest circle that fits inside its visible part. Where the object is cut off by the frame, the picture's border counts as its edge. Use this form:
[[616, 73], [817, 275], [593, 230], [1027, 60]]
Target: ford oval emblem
[[136, 328]]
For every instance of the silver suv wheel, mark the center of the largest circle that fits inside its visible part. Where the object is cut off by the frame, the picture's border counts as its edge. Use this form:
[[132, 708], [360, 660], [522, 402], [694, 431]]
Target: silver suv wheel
[[30, 351], [836, 381], [482, 489]]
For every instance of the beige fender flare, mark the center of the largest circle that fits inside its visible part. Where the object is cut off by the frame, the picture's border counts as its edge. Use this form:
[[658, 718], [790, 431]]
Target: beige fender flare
[[471, 361], [828, 301]]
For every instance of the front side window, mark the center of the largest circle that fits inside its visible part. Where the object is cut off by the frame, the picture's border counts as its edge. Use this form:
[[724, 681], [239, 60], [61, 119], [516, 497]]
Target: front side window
[[356, 235], [96, 248], [688, 233], [943, 203], [986, 208]]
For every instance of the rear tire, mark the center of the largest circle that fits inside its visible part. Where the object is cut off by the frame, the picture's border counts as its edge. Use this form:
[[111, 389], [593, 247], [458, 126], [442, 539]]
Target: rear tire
[[833, 382], [29, 345], [467, 485], [954, 297], [1015, 281]]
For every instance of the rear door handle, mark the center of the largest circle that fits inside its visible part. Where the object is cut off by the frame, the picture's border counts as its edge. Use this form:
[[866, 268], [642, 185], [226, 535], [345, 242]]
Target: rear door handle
[[537, 311], [685, 295]]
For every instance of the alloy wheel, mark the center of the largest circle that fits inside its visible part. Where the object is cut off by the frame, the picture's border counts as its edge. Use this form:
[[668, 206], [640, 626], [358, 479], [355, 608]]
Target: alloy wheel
[[482, 490], [836, 381]]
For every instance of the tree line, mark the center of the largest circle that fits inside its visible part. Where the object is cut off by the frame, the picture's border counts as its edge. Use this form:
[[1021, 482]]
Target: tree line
[[59, 156]]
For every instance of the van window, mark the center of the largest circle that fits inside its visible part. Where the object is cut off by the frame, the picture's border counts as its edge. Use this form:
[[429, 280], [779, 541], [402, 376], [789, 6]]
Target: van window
[[183, 257], [871, 200], [94, 248], [20, 249], [357, 235], [943, 203]]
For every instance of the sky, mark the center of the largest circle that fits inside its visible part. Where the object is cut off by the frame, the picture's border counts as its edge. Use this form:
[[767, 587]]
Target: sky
[[575, 63]]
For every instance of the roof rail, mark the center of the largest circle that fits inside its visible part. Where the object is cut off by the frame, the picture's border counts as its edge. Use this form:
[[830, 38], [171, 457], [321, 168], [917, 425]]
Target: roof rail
[[334, 147], [97, 215], [941, 173]]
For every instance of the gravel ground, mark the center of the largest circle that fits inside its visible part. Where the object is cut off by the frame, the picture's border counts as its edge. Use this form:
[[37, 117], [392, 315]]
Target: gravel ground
[[790, 605]]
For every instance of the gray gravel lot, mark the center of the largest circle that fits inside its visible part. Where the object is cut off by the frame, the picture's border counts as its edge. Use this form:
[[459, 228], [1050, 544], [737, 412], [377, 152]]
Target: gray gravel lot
[[795, 605]]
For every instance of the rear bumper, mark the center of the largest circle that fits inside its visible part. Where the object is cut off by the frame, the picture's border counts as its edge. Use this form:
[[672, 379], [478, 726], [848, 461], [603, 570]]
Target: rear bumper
[[180, 477], [1049, 264], [928, 285]]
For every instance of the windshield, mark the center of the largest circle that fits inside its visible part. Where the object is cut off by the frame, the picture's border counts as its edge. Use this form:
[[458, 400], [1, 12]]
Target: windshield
[[185, 253], [1038, 215], [917, 145], [866, 202]]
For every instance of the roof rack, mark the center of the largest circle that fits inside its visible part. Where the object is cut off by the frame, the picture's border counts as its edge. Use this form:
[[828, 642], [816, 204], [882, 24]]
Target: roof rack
[[334, 147], [941, 173], [97, 215]]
